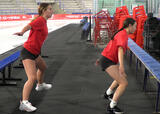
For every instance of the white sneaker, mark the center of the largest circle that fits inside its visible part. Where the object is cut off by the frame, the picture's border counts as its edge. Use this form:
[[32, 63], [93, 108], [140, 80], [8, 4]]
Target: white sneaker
[[27, 106], [43, 86]]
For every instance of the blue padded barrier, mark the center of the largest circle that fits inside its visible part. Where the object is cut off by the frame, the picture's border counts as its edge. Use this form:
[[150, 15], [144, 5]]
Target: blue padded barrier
[[151, 65], [7, 62]]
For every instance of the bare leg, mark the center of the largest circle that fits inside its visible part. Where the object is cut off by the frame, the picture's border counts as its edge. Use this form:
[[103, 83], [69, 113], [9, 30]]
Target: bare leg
[[41, 69], [30, 68], [115, 84], [113, 71]]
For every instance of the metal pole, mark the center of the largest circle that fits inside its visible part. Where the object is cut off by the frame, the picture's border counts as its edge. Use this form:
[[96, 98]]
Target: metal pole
[[103, 4], [121, 2], [96, 6], [89, 27], [146, 6]]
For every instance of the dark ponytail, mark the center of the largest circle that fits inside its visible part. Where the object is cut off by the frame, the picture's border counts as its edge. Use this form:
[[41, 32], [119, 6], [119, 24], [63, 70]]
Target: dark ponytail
[[125, 25]]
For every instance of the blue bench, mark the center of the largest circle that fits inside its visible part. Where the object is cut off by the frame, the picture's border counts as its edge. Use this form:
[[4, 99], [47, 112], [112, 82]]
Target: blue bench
[[86, 26], [151, 65], [84, 20], [7, 62], [85, 30]]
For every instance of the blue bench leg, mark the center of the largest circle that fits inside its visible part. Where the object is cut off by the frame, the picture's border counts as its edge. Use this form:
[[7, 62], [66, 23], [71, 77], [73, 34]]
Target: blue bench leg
[[145, 79], [3, 78], [136, 67], [20, 65], [9, 78], [126, 52], [9, 74], [83, 35], [4, 82], [140, 64], [157, 100], [130, 57]]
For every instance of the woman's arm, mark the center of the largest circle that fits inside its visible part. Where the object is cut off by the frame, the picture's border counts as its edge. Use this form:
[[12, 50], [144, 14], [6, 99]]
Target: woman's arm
[[120, 58], [26, 28]]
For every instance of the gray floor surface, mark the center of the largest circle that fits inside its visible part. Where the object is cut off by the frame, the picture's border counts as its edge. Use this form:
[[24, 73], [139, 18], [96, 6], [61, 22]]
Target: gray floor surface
[[78, 85]]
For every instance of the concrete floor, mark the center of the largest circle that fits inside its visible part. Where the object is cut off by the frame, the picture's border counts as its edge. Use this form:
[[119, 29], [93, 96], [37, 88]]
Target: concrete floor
[[78, 85]]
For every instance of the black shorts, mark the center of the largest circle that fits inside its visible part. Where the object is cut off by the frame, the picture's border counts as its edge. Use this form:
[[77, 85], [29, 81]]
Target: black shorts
[[105, 63], [25, 54]]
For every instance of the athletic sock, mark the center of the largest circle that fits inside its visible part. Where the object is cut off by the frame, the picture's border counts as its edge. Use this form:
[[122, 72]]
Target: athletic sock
[[109, 91], [113, 104], [24, 101]]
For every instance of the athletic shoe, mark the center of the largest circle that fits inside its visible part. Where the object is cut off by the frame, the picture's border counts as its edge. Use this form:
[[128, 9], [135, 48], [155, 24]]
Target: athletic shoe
[[114, 110], [27, 107], [109, 97], [43, 86]]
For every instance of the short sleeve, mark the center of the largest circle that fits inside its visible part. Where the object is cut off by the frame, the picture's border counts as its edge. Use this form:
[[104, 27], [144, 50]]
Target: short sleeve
[[122, 41], [37, 24]]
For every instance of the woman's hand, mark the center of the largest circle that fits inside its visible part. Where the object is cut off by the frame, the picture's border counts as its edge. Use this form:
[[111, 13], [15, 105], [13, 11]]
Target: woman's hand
[[19, 33], [97, 62]]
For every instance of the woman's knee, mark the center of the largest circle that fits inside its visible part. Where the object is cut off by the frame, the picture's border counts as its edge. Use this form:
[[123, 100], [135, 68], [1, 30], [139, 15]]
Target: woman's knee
[[124, 82], [32, 80]]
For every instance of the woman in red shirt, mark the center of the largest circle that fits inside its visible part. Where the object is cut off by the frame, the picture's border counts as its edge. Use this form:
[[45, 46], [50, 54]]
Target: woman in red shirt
[[32, 61], [112, 62]]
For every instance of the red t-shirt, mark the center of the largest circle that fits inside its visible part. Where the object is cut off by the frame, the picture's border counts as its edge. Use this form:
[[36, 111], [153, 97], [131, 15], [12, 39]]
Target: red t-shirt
[[111, 50], [37, 35]]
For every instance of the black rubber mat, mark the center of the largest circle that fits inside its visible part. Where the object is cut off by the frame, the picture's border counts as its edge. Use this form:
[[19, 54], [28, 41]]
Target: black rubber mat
[[78, 85]]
